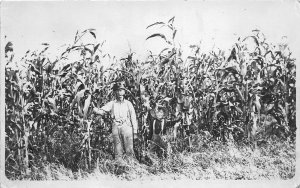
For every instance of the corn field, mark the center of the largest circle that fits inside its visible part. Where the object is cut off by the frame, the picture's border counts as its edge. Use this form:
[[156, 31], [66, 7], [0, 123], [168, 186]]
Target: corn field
[[246, 98]]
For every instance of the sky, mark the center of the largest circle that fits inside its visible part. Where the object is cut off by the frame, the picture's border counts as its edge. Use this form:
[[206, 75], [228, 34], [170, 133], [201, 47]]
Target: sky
[[122, 24]]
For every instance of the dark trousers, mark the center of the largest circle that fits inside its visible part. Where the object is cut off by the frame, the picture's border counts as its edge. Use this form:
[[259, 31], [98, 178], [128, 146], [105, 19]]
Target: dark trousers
[[158, 146]]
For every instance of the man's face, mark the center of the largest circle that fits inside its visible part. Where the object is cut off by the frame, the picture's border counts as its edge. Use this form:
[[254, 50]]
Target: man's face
[[120, 94]]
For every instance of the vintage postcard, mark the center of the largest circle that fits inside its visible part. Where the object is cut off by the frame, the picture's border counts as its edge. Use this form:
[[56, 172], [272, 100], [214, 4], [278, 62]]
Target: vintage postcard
[[149, 93]]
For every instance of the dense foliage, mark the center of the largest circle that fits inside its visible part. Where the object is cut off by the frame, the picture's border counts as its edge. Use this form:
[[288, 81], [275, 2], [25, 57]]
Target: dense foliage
[[245, 98]]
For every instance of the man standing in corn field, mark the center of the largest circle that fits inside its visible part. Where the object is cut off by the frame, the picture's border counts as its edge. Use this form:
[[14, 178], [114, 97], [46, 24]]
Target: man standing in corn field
[[124, 126]]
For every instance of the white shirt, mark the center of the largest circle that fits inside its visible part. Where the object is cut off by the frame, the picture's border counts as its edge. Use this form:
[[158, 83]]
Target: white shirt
[[121, 110]]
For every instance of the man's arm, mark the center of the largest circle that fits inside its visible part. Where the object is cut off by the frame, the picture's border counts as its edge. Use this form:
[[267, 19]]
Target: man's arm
[[106, 108], [133, 117]]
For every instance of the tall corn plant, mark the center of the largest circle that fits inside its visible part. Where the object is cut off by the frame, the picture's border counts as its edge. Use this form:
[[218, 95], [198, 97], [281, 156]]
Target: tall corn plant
[[24, 107], [238, 89], [168, 62], [248, 79], [85, 78], [209, 88], [38, 99], [265, 64]]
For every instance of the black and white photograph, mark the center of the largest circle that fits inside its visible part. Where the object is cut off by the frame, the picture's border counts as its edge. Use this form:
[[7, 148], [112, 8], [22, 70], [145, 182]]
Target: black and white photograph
[[149, 93]]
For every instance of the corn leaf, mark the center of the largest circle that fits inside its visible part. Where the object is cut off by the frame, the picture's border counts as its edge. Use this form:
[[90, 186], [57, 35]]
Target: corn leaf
[[8, 47], [232, 55], [92, 33], [254, 38], [240, 94], [171, 20], [174, 33], [96, 47], [156, 23], [157, 35], [86, 106]]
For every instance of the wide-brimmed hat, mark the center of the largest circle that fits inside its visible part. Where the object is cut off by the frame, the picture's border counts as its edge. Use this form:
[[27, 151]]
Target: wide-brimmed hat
[[117, 86]]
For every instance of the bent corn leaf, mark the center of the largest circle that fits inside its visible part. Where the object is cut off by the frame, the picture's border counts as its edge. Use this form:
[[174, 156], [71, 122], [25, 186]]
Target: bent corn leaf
[[157, 35], [254, 38], [92, 33], [156, 23]]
